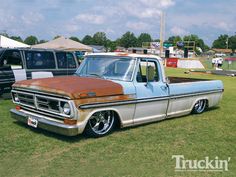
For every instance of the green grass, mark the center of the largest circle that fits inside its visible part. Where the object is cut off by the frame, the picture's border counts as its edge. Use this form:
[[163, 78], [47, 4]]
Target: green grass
[[208, 65], [140, 151]]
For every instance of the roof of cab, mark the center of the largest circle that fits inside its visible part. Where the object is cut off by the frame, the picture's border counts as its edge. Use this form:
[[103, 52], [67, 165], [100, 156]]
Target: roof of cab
[[123, 54]]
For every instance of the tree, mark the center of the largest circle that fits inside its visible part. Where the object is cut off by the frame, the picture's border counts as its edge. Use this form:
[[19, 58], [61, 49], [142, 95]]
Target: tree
[[87, 40], [174, 39], [232, 43], [57, 36], [128, 40], [42, 41], [100, 38], [156, 40], [198, 42], [221, 42], [111, 45], [4, 33], [16, 38], [144, 37], [74, 38], [31, 40]]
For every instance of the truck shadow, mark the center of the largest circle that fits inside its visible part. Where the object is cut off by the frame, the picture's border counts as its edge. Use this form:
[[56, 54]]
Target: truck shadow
[[68, 139], [76, 139]]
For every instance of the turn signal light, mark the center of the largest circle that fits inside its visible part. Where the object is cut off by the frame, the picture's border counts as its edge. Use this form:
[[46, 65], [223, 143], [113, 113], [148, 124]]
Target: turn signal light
[[18, 108], [70, 121]]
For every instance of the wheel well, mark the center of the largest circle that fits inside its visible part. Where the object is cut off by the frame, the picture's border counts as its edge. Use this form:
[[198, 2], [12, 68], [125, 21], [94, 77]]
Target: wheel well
[[117, 117], [207, 102]]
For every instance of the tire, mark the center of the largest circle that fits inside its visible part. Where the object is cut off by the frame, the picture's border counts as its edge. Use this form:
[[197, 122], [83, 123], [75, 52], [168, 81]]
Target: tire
[[100, 124], [200, 106]]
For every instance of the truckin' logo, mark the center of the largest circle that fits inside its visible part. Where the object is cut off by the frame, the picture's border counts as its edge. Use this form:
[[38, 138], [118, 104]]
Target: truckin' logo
[[207, 164]]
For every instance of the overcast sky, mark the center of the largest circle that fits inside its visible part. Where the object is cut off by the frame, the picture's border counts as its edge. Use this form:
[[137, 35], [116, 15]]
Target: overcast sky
[[48, 18]]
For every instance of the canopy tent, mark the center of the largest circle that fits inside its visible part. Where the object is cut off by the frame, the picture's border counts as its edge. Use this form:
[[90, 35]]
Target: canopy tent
[[10, 43], [63, 43]]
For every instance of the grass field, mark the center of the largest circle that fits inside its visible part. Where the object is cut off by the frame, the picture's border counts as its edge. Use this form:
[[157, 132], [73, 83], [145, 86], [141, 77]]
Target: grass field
[[140, 151], [208, 65]]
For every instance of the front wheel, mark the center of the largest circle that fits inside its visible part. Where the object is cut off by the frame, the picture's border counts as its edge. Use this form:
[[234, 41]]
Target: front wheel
[[200, 106], [100, 124]]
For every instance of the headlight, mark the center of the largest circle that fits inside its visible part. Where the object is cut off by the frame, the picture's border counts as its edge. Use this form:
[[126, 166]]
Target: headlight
[[66, 109], [15, 97]]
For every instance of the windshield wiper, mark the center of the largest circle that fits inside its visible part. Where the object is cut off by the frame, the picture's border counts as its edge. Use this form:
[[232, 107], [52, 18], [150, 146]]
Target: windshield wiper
[[97, 75], [90, 74]]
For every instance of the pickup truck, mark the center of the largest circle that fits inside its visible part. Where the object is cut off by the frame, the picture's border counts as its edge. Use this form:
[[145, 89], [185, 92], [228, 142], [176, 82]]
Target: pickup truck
[[108, 90]]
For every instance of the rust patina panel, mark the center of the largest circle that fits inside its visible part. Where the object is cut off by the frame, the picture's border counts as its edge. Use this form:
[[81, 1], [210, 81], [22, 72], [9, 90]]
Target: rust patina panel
[[73, 86]]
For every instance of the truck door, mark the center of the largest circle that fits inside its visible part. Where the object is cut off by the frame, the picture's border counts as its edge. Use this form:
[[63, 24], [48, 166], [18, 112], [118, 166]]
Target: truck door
[[11, 67], [151, 92]]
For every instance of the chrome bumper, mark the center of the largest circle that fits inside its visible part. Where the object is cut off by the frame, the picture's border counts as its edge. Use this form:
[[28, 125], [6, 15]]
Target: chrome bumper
[[68, 130]]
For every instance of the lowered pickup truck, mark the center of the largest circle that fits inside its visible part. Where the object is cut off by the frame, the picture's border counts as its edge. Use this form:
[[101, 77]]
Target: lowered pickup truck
[[110, 89]]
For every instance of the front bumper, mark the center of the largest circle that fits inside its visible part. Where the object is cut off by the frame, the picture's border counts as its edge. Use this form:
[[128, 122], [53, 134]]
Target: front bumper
[[68, 130]]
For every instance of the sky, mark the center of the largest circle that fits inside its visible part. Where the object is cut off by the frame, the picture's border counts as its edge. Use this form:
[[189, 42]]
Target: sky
[[49, 18]]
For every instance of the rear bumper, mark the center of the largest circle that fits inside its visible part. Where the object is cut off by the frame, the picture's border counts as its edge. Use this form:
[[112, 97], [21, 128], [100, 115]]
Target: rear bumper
[[67, 130]]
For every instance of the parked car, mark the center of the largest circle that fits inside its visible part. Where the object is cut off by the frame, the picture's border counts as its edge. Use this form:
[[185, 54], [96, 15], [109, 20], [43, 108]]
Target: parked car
[[33, 60], [110, 89]]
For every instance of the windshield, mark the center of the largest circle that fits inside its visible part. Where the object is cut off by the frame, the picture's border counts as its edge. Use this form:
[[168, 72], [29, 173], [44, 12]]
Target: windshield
[[107, 67]]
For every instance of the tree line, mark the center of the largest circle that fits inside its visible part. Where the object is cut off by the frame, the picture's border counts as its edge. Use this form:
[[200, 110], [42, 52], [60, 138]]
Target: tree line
[[130, 40]]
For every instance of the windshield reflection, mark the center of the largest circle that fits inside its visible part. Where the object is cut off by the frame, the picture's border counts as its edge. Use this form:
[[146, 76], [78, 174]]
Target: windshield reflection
[[107, 67]]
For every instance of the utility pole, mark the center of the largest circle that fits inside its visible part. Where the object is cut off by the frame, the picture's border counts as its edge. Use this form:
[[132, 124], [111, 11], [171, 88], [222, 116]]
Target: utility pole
[[162, 30], [227, 42]]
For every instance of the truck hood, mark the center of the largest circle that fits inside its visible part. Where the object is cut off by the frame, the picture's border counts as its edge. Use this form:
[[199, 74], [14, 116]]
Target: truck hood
[[73, 86]]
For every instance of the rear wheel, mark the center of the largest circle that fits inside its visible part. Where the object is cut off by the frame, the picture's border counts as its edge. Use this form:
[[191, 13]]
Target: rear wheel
[[100, 123], [200, 106]]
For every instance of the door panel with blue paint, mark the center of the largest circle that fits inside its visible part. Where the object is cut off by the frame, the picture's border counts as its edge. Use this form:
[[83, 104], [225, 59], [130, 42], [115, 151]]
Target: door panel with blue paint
[[150, 86]]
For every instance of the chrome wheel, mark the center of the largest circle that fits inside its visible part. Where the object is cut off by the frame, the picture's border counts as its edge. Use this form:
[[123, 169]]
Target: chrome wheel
[[200, 106], [101, 123]]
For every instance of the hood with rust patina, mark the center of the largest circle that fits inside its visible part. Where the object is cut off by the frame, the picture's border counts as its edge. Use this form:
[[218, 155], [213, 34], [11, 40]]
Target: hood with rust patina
[[73, 86]]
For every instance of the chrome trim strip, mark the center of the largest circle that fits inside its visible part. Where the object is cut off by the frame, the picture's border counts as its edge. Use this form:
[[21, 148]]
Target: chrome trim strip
[[145, 100], [50, 125], [195, 93], [42, 113], [16, 92], [39, 92]]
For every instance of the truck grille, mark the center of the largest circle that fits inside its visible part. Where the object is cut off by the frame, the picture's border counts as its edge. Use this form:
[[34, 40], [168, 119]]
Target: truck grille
[[41, 103], [48, 104], [26, 99]]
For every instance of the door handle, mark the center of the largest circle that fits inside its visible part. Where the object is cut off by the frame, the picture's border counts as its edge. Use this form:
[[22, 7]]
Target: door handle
[[164, 88]]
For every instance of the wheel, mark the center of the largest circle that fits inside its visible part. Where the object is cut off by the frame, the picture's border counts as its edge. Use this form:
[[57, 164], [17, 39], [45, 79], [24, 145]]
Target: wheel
[[100, 124], [200, 106]]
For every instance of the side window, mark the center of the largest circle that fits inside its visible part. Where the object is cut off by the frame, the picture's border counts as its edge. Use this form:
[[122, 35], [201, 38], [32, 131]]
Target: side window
[[147, 71], [65, 60], [39, 60], [11, 59]]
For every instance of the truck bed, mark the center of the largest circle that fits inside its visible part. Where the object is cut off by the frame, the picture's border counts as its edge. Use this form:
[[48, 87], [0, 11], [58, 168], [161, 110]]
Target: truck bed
[[173, 80]]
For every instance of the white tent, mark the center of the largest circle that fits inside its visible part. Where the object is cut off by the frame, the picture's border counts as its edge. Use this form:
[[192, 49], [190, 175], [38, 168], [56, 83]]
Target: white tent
[[10, 43], [63, 43]]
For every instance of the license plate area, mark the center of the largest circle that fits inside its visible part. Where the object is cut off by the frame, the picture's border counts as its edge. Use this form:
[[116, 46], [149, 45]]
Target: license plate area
[[32, 122]]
